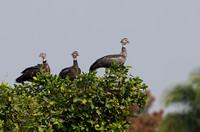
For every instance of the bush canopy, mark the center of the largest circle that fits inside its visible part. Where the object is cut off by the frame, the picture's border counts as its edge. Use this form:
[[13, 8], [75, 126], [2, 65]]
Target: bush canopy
[[89, 103]]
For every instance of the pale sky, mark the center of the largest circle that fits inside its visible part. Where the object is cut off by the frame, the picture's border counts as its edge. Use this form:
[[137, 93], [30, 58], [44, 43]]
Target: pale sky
[[163, 34]]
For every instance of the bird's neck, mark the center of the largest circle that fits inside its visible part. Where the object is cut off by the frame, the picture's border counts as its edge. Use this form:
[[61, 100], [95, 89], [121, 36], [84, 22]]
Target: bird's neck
[[123, 52], [44, 61], [74, 58], [75, 62]]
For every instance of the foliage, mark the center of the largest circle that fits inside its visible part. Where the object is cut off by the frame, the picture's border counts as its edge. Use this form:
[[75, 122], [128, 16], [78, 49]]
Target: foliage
[[89, 103], [180, 122], [145, 122], [187, 95], [180, 94]]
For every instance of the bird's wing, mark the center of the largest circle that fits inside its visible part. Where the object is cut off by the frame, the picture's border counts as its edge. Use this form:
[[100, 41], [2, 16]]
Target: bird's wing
[[106, 61], [64, 72], [37, 67], [79, 71]]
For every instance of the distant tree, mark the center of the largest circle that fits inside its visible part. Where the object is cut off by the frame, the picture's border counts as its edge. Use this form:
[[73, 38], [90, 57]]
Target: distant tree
[[186, 94], [145, 122]]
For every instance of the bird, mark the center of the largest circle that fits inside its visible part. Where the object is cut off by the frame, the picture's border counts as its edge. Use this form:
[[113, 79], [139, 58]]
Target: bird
[[72, 71], [106, 61], [30, 72]]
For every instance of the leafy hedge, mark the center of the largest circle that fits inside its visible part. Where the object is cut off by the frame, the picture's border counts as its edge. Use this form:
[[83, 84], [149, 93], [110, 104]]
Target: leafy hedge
[[89, 103]]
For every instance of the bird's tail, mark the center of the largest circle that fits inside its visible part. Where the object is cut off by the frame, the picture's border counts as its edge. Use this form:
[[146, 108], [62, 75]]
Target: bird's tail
[[20, 79], [92, 68]]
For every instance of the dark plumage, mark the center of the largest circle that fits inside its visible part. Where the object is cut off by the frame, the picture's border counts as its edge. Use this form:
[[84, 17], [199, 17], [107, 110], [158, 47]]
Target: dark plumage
[[106, 61], [30, 72], [72, 71]]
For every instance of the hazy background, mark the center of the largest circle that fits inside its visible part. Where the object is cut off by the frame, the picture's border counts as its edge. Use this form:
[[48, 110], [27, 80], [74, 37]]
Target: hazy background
[[164, 37]]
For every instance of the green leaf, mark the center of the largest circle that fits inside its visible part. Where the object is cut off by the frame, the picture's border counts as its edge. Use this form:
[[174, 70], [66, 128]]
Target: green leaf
[[41, 129], [129, 66], [26, 86], [52, 102], [35, 78], [76, 99], [106, 70], [123, 90], [98, 112], [16, 107], [9, 99], [84, 101]]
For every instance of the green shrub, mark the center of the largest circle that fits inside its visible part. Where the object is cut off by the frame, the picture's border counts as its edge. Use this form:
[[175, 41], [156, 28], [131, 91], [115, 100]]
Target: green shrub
[[89, 103]]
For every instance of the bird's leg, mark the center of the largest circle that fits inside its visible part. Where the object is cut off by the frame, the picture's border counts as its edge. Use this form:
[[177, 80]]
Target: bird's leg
[[33, 92], [38, 89]]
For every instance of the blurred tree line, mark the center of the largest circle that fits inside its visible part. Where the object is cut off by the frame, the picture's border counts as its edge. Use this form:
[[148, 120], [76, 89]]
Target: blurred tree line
[[145, 121], [184, 96], [187, 95]]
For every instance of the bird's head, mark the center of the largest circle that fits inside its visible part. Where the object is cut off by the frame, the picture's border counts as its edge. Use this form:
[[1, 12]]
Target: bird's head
[[75, 54], [124, 41], [43, 55]]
